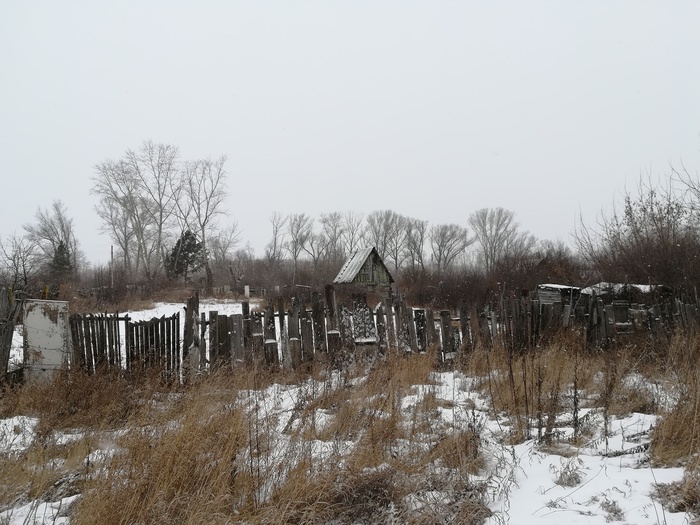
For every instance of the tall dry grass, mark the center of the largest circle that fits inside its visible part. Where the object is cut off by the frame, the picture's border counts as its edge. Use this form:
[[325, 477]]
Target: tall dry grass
[[221, 457]]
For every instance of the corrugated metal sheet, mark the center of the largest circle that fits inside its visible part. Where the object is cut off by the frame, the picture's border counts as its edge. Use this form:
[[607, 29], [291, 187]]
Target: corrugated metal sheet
[[352, 266]]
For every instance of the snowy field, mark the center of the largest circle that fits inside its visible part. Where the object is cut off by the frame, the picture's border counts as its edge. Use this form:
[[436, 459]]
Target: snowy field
[[606, 479]]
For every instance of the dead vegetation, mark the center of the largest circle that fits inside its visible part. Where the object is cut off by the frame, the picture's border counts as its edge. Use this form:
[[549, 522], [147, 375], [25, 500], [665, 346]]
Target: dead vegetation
[[374, 442]]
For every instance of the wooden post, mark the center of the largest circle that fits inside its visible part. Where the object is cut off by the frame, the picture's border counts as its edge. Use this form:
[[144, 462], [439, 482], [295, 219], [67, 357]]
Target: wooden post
[[464, 324], [345, 318], [332, 308], [319, 327], [283, 337], [412, 338], [213, 339], [271, 356], [401, 328], [421, 331], [431, 332], [387, 303], [258, 338], [237, 346], [307, 345], [294, 336], [202, 342], [446, 328], [381, 330]]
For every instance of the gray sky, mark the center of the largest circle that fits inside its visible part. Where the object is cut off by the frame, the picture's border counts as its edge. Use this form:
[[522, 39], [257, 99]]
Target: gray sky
[[433, 109]]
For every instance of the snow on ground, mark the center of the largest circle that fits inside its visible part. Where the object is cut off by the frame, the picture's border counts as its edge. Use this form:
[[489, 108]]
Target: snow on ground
[[606, 479], [39, 512], [168, 309], [16, 352]]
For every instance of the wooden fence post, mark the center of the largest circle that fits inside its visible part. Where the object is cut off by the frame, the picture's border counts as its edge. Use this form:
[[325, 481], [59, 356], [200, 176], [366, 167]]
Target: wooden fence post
[[271, 356], [319, 326], [294, 335], [237, 354], [421, 331], [446, 329]]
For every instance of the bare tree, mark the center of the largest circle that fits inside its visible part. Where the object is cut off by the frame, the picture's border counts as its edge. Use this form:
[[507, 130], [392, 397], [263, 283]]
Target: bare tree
[[447, 241], [353, 232], [652, 237], [274, 248], [18, 256], [53, 231], [299, 230], [496, 232], [144, 186], [117, 223], [416, 236], [317, 247], [387, 232], [221, 246], [333, 229], [155, 169], [203, 183]]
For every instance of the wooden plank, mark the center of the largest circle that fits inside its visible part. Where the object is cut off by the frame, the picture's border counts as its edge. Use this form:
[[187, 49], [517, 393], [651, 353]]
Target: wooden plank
[[319, 325], [446, 332], [402, 338], [213, 339], [387, 304], [410, 323], [78, 358], [283, 336], [238, 356], [224, 331], [117, 327], [421, 330], [270, 334], [464, 324], [203, 342], [307, 333], [89, 354], [258, 352], [431, 332], [380, 323]]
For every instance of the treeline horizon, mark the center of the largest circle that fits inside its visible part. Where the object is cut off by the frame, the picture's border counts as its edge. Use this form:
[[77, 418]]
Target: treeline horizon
[[166, 219]]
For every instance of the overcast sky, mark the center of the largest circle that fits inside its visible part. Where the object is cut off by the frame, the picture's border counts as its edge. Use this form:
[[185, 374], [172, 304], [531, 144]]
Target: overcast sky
[[433, 109]]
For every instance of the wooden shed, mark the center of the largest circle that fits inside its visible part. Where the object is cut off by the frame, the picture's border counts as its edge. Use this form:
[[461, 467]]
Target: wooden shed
[[366, 268]]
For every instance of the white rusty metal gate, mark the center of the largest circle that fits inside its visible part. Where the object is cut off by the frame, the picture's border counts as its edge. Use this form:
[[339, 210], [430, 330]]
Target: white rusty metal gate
[[47, 345]]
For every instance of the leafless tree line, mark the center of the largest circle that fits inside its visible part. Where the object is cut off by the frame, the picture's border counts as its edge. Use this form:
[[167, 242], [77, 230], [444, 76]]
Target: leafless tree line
[[149, 197], [45, 244], [403, 242]]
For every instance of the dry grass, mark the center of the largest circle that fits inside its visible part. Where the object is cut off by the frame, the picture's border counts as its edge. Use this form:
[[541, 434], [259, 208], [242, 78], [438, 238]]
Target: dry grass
[[211, 451], [190, 470], [677, 436], [77, 399]]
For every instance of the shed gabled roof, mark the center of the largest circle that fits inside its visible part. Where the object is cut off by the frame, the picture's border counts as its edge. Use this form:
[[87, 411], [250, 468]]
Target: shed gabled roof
[[355, 263]]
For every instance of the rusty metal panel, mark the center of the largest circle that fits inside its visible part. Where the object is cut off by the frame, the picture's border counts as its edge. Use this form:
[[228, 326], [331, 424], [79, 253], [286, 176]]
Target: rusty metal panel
[[46, 338]]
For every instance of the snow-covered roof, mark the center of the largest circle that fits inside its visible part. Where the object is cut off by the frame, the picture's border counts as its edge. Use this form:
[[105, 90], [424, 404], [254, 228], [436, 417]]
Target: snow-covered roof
[[551, 286], [355, 263], [352, 266], [605, 287]]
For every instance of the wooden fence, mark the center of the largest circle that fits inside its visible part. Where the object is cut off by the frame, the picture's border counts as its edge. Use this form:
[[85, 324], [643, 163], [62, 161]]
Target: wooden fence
[[104, 341], [97, 340], [315, 328]]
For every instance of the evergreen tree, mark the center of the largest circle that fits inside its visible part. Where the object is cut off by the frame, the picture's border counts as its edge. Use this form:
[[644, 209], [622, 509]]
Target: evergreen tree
[[186, 257], [61, 263]]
